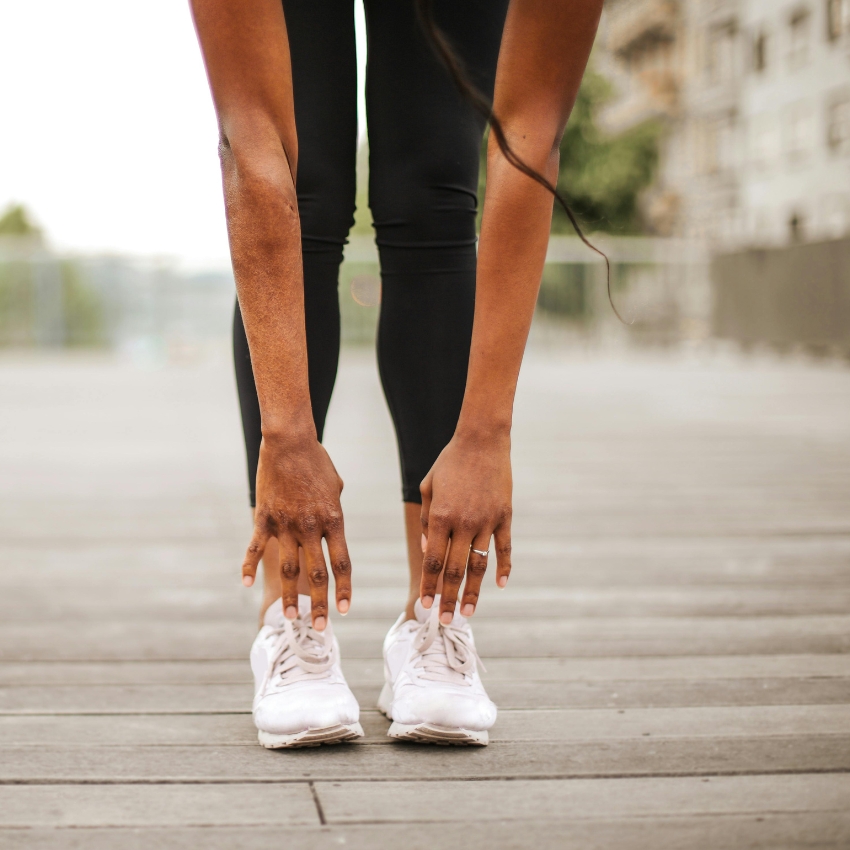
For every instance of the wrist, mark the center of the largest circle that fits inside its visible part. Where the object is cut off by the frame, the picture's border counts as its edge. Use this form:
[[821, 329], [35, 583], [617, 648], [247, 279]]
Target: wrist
[[479, 429], [287, 433]]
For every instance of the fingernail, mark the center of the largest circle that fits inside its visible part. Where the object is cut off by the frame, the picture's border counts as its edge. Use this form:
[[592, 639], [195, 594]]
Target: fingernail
[[247, 581], [502, 581], [291, 612], [467, 609], [446, 617], [424, 543], [319, 624], [427, 601], [342, 607]]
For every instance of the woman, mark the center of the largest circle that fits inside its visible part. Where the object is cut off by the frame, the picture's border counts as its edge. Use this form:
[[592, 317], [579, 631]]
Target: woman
[[451, 406]]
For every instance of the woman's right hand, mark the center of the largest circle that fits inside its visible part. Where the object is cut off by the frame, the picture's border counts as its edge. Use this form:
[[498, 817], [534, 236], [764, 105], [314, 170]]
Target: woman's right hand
[[298, 492]]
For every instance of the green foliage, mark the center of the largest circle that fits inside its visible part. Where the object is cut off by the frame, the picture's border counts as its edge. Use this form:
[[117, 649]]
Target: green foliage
[[602, 176], [15, 221], [83, 309]]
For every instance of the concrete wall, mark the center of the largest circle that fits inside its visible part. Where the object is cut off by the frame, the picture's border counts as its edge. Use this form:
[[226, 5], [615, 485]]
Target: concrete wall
[[785, 296]]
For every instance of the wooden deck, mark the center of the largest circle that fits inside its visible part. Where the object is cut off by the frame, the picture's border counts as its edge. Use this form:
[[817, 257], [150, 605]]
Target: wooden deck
[[671, 659]]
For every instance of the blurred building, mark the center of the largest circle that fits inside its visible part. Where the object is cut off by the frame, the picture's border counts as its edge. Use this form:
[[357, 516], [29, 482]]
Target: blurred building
[[756, 98]]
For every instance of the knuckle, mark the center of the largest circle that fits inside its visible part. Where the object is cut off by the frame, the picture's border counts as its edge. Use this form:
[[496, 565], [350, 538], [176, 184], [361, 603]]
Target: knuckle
[[308, 523], [432, 565], [289, 570], [470, 594], [453, 575], [318, 577], [342, 567], [333, 521], [504, 549], [477, 568], [256, 548], [440, 520]]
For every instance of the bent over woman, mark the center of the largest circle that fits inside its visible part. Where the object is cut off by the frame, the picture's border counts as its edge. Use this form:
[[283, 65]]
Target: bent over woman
[[284, 87]]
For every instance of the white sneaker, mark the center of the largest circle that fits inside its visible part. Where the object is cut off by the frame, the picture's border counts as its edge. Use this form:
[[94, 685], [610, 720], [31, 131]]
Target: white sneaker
[[301, 698], [433, 693]]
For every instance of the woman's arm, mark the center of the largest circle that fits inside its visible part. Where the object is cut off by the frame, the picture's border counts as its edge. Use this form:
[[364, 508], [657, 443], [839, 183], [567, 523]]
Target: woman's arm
[[467, 494], [246, 51]]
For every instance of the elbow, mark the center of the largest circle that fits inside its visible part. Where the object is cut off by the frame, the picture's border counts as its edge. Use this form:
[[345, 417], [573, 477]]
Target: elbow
[[258, 156]]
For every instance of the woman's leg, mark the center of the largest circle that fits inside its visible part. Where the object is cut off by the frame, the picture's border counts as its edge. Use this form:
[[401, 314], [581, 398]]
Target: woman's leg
[[324, 74], [425, 144]]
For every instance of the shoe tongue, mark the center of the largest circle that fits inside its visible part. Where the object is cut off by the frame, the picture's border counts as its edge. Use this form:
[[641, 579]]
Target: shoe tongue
[[422, 614], [274, 613]]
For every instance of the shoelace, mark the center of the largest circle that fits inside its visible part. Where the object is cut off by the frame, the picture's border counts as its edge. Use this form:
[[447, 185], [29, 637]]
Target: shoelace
[[298, 652], [446, 653]]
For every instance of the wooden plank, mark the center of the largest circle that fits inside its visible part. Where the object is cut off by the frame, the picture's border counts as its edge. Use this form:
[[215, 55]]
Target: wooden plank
[[521, 693], [165, 603], [579, 562], [359, 802], [762, 831], [363, 671], [162, 805], [525, 725], [378, 762], [146, 640]]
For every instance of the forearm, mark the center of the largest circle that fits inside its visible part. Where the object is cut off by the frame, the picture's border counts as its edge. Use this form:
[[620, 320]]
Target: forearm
[[514, 237], [544, 52], [265, 246], [246, 51]]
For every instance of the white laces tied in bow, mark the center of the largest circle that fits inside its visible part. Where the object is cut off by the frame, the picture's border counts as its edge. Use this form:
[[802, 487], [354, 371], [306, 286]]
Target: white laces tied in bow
[[446, 652], [298, 652]]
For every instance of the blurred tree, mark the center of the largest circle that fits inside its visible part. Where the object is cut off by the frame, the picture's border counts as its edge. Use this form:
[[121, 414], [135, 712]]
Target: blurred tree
[[601, 175], [15, 221]]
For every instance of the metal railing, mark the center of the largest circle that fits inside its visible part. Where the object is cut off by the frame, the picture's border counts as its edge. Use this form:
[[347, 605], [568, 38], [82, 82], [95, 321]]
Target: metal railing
[[661, 286]]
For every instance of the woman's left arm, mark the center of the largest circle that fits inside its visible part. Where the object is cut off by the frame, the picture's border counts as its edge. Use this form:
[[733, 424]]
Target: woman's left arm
[[466, 497]]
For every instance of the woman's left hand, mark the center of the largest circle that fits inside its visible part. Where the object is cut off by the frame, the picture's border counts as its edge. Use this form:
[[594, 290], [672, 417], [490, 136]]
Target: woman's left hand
[[466, 500]]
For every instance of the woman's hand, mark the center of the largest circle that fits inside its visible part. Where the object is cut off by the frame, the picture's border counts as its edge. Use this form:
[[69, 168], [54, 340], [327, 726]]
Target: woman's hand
[[466, 500], [298, 493]]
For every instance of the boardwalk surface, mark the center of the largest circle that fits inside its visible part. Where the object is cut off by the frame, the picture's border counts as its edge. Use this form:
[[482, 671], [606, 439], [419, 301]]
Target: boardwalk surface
[[671, 659]]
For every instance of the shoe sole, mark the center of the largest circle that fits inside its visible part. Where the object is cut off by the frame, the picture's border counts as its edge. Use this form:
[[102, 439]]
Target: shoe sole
[[442, 736], [311, 737]]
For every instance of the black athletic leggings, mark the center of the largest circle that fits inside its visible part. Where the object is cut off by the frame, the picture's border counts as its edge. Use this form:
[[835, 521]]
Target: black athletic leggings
[[424, 143]]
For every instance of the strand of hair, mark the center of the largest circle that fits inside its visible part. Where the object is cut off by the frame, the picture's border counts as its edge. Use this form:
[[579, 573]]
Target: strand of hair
[[482, 105]]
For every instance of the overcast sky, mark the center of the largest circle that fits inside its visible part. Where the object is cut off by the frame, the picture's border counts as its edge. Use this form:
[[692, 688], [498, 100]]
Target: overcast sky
[[107, 128]]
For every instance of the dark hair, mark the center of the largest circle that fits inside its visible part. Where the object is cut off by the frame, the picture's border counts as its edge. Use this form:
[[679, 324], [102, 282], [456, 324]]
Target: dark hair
[[483, 106]]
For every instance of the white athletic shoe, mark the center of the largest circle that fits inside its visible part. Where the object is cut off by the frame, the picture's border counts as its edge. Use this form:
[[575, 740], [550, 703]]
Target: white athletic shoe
[[433, 693], [301, 698]]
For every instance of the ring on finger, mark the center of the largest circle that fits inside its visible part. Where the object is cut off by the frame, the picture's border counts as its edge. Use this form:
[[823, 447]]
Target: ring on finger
[[482, 552]]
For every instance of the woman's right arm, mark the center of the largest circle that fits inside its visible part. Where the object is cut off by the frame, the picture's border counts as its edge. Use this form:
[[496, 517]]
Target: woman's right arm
[[246, 52]]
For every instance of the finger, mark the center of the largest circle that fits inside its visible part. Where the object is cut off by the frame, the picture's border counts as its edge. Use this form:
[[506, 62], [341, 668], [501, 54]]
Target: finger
[[453, 574], [476, 566], [432, 562], [289, 570], [341, 566], [253, 555], [502, 536], [424, 514], [317, 578]]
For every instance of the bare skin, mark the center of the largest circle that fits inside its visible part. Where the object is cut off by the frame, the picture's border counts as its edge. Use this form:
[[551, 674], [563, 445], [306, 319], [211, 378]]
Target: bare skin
[[467, 495], [415, 542]]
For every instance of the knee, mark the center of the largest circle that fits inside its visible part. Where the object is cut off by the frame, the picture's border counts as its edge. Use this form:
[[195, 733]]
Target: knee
[[326, 202]]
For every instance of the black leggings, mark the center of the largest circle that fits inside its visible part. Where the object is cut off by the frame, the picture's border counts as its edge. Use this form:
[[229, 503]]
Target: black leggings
[[424, 145]]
